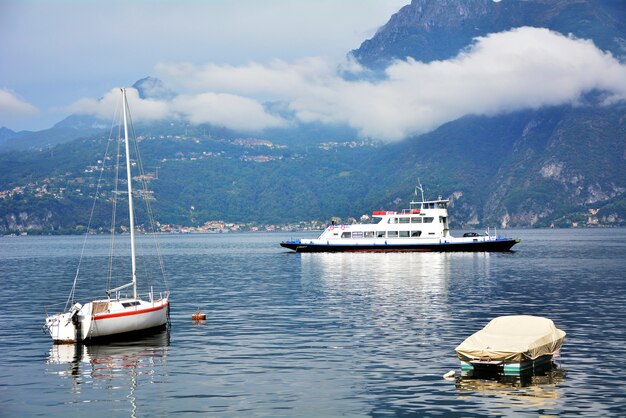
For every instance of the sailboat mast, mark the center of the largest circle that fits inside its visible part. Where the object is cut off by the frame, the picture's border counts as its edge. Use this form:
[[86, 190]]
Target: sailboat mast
[[131, 213]]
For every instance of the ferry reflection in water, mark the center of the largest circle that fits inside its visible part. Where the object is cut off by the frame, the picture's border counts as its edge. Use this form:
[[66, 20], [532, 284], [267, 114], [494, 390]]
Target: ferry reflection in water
[[414, 280], [537, 388], [430, 272], [120, 365], [390, 308]]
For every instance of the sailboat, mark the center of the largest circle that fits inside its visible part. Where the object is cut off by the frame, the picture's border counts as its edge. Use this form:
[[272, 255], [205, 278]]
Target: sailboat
[[118, 314]]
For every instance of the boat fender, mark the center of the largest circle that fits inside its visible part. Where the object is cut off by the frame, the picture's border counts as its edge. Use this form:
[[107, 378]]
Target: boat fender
[[449, 375]]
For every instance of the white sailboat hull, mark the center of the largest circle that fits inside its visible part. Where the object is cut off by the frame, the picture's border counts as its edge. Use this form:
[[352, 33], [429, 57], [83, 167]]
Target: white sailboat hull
[[138, 318], [107, 318]]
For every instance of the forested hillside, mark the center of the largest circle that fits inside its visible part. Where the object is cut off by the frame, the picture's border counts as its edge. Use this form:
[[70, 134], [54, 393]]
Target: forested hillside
[[559, 165]]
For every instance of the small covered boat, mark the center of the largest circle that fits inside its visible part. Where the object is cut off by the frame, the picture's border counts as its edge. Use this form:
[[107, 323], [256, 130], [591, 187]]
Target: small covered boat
[[511, 344], [422, 227]]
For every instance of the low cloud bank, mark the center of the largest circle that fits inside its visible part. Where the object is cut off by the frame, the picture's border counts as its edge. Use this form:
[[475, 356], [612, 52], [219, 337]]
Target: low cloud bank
[[12, 108], [525, 68]]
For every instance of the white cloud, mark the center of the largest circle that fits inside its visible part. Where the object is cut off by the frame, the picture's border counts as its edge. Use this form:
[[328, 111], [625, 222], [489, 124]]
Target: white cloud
[[110, 103], [223, 109], [277, 79], [228, 110], [50, 44], [12, 106], [519, 69]]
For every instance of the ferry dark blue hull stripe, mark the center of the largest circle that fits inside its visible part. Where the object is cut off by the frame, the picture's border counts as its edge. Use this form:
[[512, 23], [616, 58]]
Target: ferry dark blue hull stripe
[[498, 245]]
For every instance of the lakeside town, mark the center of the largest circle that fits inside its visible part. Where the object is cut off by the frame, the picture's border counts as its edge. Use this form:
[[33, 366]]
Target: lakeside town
[[222, 227]]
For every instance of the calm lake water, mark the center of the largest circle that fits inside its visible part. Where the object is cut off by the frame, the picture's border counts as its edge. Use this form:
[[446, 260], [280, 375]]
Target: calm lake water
[[321, 335]]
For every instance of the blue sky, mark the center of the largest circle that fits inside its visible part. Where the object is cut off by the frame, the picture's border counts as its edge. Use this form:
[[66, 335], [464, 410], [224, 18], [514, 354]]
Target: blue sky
[[56, 52], [225, 59]]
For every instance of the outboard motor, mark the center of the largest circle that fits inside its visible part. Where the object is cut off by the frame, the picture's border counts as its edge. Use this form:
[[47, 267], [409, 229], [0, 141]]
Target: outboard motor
[[76, 320]]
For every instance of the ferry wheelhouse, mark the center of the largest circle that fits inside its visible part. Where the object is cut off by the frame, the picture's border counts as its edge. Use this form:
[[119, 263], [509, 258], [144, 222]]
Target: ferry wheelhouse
[[422, 227]]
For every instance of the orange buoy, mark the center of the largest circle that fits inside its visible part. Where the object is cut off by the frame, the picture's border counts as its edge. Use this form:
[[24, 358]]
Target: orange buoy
[[198, 316]]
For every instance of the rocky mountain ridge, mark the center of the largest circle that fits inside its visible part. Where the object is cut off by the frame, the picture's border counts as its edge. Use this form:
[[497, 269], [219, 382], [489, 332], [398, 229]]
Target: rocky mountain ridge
[[560, 165], [436, 30]]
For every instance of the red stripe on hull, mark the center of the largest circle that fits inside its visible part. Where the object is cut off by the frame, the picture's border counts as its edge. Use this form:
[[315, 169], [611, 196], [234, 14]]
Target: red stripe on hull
[[121, 314]]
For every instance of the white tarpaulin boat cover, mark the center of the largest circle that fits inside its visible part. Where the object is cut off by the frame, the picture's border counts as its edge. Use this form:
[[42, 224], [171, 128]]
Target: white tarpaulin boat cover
[[512, 339]]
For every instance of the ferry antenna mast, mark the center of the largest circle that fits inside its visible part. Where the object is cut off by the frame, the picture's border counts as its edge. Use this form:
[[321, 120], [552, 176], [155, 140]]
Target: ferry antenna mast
[[420, 188]]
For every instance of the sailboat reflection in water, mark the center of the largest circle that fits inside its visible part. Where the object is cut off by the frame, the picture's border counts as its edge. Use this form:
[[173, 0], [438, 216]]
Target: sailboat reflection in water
[[118, 314], [120, 365]]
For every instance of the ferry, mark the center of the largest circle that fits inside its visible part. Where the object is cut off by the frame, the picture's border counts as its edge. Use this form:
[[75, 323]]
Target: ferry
[[422, 227]]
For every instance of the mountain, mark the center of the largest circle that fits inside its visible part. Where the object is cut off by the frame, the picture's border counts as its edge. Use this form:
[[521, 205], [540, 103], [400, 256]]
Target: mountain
[[70, 128], [561, 167], [76, 126], [8, 137], [558, 165], [153, 88], [6, 134], [529, 168], [437, 30]]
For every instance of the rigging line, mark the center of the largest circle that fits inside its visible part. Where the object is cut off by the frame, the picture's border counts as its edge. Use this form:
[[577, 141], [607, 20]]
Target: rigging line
[[114, 206], [142, 191], [146, 199], [70, 298], [149, 210]]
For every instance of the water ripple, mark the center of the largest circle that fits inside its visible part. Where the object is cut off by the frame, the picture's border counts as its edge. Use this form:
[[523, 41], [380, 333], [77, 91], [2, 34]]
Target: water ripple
[[322, 334]]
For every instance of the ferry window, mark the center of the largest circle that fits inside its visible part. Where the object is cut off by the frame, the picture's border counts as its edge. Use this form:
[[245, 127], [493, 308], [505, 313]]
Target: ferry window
[[405, 220], [380, 234], [358, 234], [404, 234], [416, 234], [392, 234], [369, 234], [442, 219], [428, 219], [442, 205], [393, 220], [346, 234], [416, 220]]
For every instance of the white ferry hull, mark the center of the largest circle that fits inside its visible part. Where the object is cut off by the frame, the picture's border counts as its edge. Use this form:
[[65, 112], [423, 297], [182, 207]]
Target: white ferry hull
[[401, 245]]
